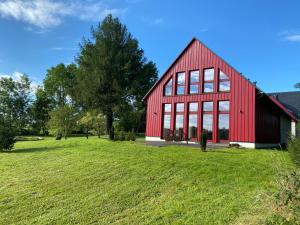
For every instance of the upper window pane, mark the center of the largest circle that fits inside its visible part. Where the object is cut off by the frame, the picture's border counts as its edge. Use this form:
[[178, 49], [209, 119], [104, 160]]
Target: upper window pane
[[194, 76], [168, 88], [224, 85], [224, 105], [223, 76], [167, 108], [193, 107], [208, 106], [180, 78], [208, 87], [209, 74], [179, 107]]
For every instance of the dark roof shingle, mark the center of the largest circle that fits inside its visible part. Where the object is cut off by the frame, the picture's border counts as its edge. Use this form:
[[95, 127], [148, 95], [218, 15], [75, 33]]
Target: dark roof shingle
[[291, 100]]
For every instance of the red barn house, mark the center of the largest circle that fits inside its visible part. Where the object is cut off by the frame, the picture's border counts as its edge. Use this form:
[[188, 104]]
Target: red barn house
[[200, 92]]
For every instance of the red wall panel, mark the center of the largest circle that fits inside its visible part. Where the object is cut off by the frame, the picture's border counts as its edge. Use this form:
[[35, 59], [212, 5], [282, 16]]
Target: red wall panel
[[242, 95]]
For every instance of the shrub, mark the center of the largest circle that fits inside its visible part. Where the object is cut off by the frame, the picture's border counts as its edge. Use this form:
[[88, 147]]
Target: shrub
[[7, 137], [287, 201], [294, 150], [124, 136], [203, 141]]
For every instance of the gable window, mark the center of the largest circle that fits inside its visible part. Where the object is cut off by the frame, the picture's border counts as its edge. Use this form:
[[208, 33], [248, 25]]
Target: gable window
[[208, 84], [168, 88], [223, 120], [180, 83], [224, 82], [194, 82]]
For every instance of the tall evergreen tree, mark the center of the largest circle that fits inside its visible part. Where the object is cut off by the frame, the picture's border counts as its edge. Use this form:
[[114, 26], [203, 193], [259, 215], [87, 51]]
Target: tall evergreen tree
[[112, 70]]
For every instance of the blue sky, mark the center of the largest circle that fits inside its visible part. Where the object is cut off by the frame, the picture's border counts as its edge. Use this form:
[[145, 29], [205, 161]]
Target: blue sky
[[260, 38]]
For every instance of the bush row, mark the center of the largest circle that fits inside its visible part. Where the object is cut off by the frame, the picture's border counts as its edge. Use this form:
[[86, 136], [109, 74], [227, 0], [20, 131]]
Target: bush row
[[124, 136]]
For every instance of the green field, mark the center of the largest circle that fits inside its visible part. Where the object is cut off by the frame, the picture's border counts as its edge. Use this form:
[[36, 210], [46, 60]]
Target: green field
[[95, 181]]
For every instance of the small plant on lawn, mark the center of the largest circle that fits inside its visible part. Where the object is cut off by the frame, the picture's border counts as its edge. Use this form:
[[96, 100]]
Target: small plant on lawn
[[203, 141]]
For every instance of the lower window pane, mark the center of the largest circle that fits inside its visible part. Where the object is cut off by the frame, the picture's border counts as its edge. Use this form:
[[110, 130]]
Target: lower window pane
[[193, 126], [223, 126], [180, 90], [194, 89], [208, 87], [179, 128], [167, 125], [224, 86], [208, 125]]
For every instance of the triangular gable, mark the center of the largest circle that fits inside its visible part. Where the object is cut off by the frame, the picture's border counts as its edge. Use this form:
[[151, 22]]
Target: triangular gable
[[178, 58]]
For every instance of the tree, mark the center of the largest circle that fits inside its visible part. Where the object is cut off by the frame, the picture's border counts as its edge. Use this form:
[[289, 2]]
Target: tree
[[15, 99], [7, 135], [93, 120], [297, 85], [112, 70], [39, 111], [59, 83], [62, 121]]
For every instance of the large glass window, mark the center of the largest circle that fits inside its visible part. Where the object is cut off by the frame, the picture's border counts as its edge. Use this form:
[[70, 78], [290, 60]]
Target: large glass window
[[180, 83], [223, 126], [168, 88], [179, 122], [193, 120], [208, 125], [224, 82], [167, 120], [208, 85], [223, 120], [194, 82]]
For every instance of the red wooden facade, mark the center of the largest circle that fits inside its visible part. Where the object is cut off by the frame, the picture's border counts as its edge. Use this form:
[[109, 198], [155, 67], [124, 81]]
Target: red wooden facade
[[250, 112]]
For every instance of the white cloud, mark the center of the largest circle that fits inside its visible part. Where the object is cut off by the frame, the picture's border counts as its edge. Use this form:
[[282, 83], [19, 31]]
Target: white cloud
[[158, 21], [46, 14], [64, 49], [291, 36], [17, 76], [294, 37]]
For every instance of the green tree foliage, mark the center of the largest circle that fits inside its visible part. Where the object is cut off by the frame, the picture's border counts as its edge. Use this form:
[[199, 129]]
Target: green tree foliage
[[62, 121], [7, 135], [112, 70], [297, 85], [15, 99], [59, 83], [93, 120], [39, 111]]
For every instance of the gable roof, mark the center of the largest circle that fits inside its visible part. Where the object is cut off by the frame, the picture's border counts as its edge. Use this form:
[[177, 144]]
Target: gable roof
[[290, 100], [180, 55], [281, 106]]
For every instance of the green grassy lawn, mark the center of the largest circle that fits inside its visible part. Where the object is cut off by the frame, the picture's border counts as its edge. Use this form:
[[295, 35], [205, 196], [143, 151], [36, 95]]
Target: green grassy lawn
[[96, 181]]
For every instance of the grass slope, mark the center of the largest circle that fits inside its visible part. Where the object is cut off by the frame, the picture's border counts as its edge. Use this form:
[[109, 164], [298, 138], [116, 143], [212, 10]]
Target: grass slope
[[95, 181]]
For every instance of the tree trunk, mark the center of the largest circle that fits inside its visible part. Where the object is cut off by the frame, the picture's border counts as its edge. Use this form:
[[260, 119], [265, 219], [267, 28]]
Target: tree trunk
[[109, 125]]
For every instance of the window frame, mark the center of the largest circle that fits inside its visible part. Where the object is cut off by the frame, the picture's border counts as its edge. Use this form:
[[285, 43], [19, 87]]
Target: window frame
[[167, 84], [223, 112], [163, 119], [197, 122], [208, 81], [198, 83], [180, 85], [211, 113], [223, 80]]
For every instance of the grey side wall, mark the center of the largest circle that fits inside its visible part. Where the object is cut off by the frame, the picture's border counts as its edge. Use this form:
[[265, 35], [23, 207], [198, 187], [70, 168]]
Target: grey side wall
[[285, 129]]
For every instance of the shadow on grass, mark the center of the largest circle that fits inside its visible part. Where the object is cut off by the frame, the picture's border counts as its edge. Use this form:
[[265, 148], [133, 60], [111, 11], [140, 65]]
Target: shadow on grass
[[32, 150]]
